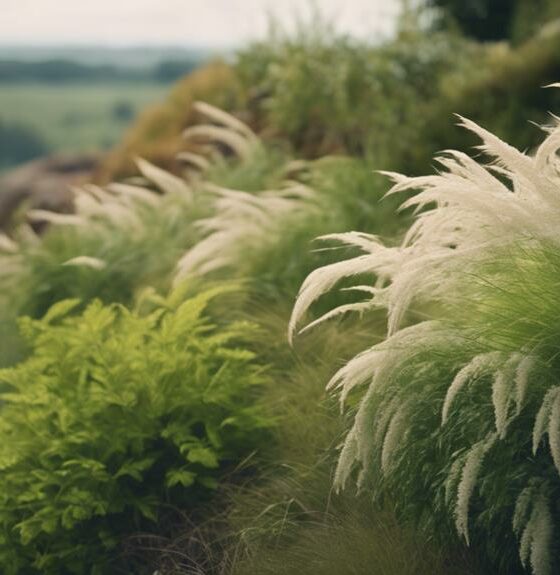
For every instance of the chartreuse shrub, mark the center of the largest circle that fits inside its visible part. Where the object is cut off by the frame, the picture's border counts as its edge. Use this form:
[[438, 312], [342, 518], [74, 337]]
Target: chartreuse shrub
[[457, 417], [115, 414]]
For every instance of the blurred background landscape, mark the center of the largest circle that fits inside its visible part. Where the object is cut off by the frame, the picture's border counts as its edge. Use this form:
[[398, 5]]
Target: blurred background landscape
[[80, 99]]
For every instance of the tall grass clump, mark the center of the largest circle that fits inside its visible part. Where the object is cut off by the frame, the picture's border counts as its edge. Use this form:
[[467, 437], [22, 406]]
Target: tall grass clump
[[256, 230], [114, 420], [456, 417], [289, 520], [119, 240], [126, 235]]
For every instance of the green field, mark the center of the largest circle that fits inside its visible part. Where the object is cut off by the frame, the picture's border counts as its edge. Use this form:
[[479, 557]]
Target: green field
[[76, 117]]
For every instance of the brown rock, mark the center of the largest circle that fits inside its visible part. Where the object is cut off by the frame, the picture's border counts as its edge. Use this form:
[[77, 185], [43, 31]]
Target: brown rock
[[45, 183]]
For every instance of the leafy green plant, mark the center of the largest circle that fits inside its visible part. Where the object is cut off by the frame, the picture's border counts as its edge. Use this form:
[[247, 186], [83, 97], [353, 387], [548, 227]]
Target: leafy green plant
[[114, 415], [458, 409]]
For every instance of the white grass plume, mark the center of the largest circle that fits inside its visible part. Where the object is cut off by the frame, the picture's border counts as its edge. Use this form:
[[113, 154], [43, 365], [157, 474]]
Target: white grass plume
[[87, 262], [542, 419], [234, 141], [197, 160], [479, 365], [165, 181], [502, 392], [222, 129], [397, 427], [537, 534], [224, 119], [469, 475], [524, 370], [135, 193], [55, 218], [241, 221], [467, 209], [7, 245]]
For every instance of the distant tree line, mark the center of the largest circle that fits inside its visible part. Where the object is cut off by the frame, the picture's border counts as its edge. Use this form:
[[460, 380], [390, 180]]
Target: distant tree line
[[494, 20], [68, 71]]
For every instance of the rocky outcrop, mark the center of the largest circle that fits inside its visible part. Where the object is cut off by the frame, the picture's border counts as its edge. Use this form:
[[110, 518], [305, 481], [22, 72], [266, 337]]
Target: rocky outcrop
[[44, 183]]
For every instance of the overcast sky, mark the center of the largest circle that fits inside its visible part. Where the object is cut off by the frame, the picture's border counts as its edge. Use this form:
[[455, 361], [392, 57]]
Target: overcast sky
[[175, 22]]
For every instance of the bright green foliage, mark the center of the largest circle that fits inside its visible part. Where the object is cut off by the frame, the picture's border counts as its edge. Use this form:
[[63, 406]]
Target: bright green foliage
[[113, 415]]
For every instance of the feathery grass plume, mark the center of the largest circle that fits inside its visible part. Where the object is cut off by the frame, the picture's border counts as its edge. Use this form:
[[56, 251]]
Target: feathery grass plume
[[120, 239], [479, 365], [536, 536], [7, 245], [554, 432], [480, 266], [196, 160], [223, 129], [524, 369], [241, 221], [164, 181], [469, 475], [542, 420], [135, 193], [503, 391], [55, 218], [93, 263], [224, 119], [234, 141], [395, 430], [541, 559]]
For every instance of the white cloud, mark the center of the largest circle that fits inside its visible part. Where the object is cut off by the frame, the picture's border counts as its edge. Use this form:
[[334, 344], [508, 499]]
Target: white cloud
[[207, 22]]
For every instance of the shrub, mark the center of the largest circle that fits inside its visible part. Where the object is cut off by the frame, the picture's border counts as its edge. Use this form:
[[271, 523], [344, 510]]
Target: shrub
[[496, 91], [457, 409], [114, 415], [497, 20], [327, 93]]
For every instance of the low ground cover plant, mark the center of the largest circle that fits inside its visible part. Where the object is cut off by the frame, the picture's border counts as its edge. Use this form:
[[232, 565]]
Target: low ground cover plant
[[114, 415]]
